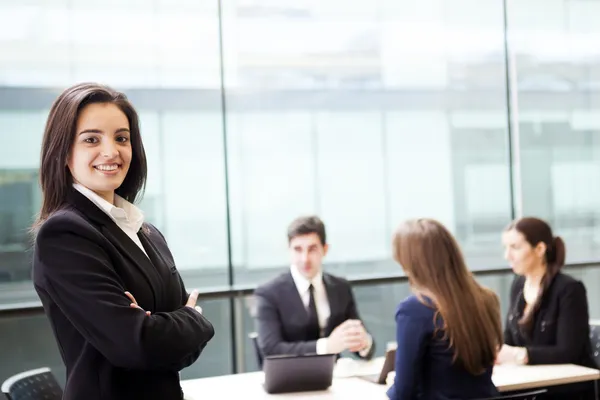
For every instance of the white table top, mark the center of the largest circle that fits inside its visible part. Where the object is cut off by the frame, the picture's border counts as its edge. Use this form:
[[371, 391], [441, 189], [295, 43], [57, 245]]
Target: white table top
[[346, 383], [249, 386], [522, 377]]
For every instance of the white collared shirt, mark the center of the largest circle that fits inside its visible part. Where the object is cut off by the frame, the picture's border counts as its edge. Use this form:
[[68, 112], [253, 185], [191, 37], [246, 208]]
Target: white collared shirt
[[127, 216], [321, 301]]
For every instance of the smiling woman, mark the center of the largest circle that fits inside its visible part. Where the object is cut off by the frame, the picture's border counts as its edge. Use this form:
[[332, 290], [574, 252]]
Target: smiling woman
[[90, 125], [102, 151], [93, 253]]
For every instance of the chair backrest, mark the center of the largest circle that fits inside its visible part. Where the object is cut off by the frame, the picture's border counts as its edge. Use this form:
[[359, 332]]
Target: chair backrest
[[533, 395], [259, 357], [595, 340], [36, 384]]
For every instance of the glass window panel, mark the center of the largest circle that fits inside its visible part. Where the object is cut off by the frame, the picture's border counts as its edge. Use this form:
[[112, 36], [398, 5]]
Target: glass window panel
[[369, 130], [156, 44], [556, 60], [194, 195], [160, 48]]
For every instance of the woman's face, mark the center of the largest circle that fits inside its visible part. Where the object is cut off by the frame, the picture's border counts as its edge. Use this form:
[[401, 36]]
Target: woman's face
[[523, 257], [101, 152]]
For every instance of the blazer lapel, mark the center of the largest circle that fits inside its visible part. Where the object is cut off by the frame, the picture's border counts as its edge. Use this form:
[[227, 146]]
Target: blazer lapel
[[128, 247], [296, 304], [334, 297], [118, 238], [158, 261]]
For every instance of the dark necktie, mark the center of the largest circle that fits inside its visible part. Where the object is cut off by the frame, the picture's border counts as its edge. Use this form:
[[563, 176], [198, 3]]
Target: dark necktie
[[313, 331]]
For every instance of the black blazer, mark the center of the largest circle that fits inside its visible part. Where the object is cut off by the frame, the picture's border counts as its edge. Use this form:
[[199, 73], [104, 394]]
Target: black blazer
[[83, 264], [561, 332], [282, 318]]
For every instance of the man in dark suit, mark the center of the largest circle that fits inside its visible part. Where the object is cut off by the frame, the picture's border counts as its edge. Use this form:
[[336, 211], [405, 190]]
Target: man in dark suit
[[304, 310]]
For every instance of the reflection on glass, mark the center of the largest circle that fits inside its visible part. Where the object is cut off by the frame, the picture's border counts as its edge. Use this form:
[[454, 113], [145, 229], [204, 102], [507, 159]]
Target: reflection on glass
[[557, 73], [365, 113], [167, 62], [345, 113]]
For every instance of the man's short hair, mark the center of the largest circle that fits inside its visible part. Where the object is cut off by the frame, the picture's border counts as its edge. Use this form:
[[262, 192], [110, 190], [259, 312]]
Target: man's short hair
[[305, 226]]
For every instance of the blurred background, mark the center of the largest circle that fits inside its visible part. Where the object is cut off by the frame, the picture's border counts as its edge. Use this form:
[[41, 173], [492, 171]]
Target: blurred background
[[365, 112]]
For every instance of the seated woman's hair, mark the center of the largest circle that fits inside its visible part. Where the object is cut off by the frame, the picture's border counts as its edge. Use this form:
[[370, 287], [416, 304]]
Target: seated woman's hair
[[434, 264]]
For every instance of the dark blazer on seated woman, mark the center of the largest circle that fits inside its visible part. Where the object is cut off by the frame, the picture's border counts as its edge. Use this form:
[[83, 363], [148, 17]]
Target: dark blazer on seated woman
[[448, 333], [83, 264], [424, 362], [561, 332]]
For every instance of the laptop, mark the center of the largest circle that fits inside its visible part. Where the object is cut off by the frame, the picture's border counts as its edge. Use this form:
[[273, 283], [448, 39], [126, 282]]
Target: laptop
[[293, 373], [388, 366]]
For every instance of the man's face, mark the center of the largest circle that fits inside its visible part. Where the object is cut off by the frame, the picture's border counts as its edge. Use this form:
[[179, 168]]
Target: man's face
[[307, 252]]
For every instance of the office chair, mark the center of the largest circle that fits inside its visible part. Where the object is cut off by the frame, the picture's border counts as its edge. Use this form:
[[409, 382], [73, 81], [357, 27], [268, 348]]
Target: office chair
[[35, 384], [533, 395], [259, 357]]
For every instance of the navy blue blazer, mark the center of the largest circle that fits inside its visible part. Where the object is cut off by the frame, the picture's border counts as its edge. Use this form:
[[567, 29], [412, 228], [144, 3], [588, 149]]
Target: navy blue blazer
[[282, 318], [424, 367], [83, 264]]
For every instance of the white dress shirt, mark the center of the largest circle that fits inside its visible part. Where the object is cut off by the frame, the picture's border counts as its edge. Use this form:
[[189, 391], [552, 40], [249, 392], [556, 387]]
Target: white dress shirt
[[321, 303], [127, 216]]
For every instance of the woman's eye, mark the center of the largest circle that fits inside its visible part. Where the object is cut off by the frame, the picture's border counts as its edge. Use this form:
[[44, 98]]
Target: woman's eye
[[122, 139], [90, 140]]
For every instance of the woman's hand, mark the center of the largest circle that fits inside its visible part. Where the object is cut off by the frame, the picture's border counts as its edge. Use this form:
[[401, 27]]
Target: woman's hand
[[512, 355], [192, 299], [134, 303]]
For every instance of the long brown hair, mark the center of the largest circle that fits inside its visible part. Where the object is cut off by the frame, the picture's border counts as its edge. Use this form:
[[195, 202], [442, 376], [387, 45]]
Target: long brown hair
[[536, 231], [59, 136], [433, 262]]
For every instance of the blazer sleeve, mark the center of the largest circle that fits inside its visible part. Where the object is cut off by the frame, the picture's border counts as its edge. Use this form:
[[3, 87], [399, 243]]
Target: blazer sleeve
[[352, 313], [269, 328], [192, 357], [514, 290], [79, 277], [572, 329], [411, 336]]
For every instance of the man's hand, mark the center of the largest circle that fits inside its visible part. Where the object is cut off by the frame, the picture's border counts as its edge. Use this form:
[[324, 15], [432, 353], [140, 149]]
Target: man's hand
[[349, 335], [358, 337]]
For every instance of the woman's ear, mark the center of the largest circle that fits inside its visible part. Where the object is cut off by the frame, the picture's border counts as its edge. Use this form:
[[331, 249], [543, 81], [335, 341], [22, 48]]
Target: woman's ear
[[540, 249]]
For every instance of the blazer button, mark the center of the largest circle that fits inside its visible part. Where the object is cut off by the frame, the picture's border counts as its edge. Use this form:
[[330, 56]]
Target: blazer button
[[543, 326], [510, 317]]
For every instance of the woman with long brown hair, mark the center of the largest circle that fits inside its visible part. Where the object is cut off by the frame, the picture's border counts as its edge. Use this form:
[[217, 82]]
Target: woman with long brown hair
[[94, 252], [448, 333], [548, 318]]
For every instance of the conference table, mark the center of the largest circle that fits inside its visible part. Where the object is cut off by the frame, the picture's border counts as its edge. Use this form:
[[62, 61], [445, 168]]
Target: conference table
[[347, 381]]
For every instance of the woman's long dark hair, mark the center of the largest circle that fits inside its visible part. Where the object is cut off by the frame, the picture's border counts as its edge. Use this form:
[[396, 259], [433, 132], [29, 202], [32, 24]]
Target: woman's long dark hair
[[59, 136], [538, 231]]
